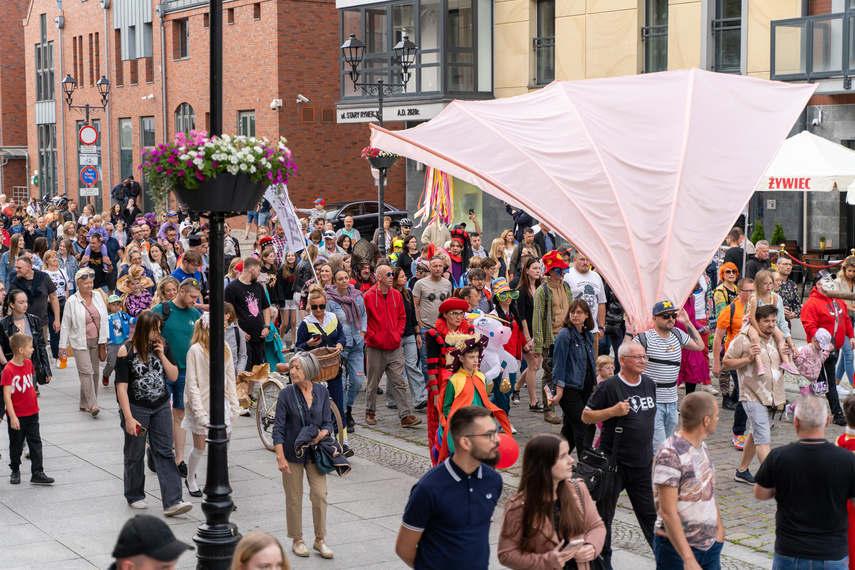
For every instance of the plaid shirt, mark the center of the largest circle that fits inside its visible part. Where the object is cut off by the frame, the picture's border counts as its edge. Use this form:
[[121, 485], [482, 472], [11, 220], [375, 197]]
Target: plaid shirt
[[542, 326], [280, 247]]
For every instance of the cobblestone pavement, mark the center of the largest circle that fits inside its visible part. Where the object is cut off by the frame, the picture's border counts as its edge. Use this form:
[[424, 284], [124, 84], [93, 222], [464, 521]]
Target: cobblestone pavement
[[748, 522]]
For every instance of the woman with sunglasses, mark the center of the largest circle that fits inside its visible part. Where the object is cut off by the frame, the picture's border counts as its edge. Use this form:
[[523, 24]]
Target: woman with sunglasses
[[727, 292], [321, 328], [504, 300], [85, 328]]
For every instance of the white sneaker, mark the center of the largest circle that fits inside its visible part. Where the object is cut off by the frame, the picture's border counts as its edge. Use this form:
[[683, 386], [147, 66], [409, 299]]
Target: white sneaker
[[177, 509], [513, 429], [138, 504], [842, 392], [711, 389]]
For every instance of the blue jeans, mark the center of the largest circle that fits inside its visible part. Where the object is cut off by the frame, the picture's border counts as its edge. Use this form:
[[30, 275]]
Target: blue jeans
[[355, 358], [423, 353], [336, 390], [664, 424], [176, 390], [781, 562], [845, 362], [667, 557], [158, 422], [413, 372]]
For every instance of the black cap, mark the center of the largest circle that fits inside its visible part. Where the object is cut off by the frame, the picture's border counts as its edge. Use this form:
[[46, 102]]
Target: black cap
[[194, 240], [151, 537]]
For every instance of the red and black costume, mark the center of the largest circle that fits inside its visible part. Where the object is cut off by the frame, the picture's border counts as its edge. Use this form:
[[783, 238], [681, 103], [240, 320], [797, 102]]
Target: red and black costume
[[438, 371]]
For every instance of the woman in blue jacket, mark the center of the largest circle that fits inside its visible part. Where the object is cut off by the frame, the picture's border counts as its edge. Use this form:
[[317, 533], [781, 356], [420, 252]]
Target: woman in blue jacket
[[574, 372], [322, 328], [346, 303]]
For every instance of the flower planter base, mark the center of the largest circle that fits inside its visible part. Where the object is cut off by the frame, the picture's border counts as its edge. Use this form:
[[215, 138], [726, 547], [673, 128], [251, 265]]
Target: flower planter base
[[230, 193], [381, 162]]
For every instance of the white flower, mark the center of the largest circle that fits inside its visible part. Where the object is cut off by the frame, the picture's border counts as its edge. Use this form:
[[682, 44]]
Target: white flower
[[184, 157], [234, 160], [242, 166], [199, 162], [233, 169], [252, 170]]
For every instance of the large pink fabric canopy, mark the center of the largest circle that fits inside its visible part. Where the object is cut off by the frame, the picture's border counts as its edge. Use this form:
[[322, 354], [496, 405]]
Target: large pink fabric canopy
[[645, 174]]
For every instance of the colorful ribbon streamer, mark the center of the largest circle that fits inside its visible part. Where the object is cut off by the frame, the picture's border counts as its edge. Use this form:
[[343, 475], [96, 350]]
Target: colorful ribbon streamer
[[437, 198]]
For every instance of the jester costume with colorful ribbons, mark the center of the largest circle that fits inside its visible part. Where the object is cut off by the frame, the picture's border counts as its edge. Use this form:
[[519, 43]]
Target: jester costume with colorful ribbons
[[438, 372], [463, 389], [847, 441]]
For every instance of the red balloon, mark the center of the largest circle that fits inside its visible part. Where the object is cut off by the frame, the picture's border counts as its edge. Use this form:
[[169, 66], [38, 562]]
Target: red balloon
[[509, 451]]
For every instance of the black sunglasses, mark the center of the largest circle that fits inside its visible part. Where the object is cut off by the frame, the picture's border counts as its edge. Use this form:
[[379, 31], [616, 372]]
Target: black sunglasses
[[318, 307]]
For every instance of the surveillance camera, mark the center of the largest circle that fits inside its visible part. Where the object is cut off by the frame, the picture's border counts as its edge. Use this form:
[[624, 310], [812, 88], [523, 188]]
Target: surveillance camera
[[814, 123], [275, 104], [302, 99]]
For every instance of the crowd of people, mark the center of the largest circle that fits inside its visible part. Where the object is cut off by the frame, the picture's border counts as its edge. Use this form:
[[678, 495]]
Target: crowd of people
[[129, 290]]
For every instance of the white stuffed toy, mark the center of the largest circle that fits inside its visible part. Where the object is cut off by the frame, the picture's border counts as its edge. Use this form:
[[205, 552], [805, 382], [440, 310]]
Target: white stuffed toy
[[495, 360]]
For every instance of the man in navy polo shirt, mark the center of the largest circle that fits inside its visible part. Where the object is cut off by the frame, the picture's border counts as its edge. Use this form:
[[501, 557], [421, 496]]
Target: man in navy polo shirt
[[447, 520]]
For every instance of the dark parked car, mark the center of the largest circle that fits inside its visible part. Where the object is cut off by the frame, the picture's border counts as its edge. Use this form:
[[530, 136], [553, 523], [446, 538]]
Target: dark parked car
[[364, 214]]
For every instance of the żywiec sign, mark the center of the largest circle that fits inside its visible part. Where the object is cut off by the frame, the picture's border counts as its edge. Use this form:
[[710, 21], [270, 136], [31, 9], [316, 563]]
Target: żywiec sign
[[789, 183]]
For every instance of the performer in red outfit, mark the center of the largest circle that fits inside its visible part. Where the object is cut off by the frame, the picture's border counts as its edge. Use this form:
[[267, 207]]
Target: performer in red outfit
[[450, 321], [847, 441]]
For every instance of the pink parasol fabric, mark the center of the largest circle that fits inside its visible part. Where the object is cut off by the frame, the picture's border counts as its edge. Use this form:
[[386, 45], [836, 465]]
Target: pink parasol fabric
[[645, 174]]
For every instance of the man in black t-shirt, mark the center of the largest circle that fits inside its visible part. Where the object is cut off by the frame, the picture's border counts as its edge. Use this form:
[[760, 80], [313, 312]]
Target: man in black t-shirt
[[40, 291], [100, 263], [811, 480], [631, 397]]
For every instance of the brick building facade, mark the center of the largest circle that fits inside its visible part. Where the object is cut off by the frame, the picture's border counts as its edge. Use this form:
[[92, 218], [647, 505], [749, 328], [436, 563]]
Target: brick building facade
[[156, 56], [13, 116]]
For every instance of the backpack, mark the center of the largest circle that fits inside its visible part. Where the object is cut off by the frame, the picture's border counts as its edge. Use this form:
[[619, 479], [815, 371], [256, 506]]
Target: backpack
[[165, 310], [118, 192], [642, 339]]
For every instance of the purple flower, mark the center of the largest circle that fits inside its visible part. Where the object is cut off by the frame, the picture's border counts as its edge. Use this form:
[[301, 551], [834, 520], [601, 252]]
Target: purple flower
[[200, 176], [169, 172], [159, 168], [215, 164], [270, 175]]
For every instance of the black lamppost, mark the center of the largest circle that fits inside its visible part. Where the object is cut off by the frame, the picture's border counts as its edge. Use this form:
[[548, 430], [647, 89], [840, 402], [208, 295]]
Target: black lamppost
[[69, 84], [217, 537], [352, 52]]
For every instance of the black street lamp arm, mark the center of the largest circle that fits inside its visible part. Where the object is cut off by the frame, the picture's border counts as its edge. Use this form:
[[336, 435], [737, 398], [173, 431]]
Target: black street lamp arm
[[374, 89], [69, 85]]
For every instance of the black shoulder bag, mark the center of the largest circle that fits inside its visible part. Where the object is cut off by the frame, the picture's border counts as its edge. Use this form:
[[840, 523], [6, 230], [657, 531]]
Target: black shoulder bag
[[597, 469]]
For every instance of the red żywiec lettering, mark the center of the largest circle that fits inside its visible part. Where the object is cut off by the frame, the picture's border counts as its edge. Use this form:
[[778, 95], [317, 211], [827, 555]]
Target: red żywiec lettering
[[789, 183]]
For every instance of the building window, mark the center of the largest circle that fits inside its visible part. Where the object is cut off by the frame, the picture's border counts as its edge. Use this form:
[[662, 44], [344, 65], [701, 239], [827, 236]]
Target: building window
[[126, 148], [727, 36], [461, 49], [91, 45], [44, 65], [654, 34], [246, 123], [119, 73], [185, 118], [230, 16], [544, 43], [98, 201], [47, 160], [132, 43], [146, 141], [206, 20], [180, 39], [256, 10]]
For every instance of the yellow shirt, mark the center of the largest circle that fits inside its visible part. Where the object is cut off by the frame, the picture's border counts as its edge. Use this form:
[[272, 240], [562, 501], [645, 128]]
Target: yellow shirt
[[560, 307]]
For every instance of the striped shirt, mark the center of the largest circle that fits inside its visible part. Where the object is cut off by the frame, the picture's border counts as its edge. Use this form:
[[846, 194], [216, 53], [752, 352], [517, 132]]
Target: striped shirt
[[669, 350]]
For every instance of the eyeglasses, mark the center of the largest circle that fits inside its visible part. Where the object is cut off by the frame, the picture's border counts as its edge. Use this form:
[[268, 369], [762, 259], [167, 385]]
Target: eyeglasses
[[506, 296], [318, 307], [642, 357], [730, 271], [86, 276], [490, 435], [455, 313], [561, 271], [669, 316], [388, 274]]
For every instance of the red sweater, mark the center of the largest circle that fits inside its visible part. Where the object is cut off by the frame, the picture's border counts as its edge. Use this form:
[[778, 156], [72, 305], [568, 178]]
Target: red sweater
[[387, 318], [819, 311]]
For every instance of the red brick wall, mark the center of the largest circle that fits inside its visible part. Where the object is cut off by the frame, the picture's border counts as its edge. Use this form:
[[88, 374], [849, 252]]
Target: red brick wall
[[13, 101], [818, 7], [843, 99], [293, 48]]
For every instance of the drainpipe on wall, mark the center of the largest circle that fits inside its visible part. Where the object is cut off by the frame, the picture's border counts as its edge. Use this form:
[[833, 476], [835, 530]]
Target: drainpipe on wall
[[61, 121], [160, 10], [105, 169]]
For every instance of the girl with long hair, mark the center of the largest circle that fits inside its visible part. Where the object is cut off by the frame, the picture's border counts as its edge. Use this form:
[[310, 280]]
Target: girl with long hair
[[497, 252], [551, 522], [40, 246], [530, 279], [288, 311], [7, 260], [68, 263], [197, 395], [62, 282], [167, 290], [143, 367], [157, 262]]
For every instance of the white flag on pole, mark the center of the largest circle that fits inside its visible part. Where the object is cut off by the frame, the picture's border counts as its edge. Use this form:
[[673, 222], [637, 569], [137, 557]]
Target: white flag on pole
[[277, 195]]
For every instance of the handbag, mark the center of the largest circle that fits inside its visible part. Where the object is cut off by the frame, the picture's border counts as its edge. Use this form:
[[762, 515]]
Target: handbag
[[597, 469], [597, 563]]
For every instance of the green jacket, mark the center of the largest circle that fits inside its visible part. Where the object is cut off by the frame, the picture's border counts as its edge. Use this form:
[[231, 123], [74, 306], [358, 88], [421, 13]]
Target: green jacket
[[541, 328]]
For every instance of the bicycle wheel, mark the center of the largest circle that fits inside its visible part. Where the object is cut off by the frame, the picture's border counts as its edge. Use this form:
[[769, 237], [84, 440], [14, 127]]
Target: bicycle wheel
[[337, 417], [266, 412]]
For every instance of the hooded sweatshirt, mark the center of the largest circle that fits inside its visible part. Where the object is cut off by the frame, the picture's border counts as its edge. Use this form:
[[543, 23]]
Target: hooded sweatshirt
[[387, 318], [821, 311]]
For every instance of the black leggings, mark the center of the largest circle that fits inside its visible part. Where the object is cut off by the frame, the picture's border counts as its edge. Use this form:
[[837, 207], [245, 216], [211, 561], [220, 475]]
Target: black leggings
[[579, 435], [690, 387]]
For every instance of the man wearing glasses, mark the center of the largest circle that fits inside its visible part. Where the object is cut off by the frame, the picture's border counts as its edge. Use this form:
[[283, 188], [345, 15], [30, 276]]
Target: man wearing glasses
[[664, 346], [627, 400], [446, 523]]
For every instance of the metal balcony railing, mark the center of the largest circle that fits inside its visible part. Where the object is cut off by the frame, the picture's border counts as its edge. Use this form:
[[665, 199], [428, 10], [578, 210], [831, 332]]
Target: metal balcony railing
[[544, 59], [813, 48]]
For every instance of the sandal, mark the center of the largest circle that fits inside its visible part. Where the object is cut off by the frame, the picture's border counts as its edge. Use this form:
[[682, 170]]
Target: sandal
[[94, 411]]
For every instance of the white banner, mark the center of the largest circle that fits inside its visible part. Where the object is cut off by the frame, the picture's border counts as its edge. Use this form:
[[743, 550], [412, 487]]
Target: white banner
[[281, 204]]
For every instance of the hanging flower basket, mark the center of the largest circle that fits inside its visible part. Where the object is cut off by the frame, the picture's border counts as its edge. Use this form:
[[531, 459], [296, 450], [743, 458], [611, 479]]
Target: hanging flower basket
[[216, 174], [379, 159]]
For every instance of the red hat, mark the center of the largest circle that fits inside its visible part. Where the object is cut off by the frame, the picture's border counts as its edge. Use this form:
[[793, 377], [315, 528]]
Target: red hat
[[453, 304], [239, 267], [321, 201], [265, 240], [553, 260]]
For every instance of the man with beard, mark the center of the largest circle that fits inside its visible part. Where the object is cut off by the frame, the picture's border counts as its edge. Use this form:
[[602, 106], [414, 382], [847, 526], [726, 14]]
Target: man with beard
[[364, 278], [253, 313], [433, 533], [588, 286]]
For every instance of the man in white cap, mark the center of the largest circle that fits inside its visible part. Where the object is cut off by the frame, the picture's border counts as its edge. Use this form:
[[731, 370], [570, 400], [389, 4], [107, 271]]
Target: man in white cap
[[329, 246]]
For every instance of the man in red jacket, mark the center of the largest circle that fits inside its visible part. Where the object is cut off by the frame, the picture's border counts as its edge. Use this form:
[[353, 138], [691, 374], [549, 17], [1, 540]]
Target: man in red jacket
[[387, 320], [821, 311]]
